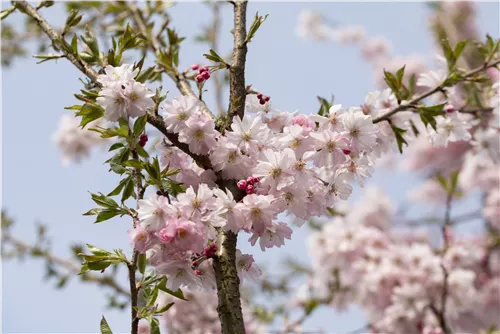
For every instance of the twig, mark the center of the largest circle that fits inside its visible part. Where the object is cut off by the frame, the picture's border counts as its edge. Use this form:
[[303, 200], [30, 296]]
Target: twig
[[69, 265], [422, 96], [132, 264], [441, 314], [57, 40], [467, 217]]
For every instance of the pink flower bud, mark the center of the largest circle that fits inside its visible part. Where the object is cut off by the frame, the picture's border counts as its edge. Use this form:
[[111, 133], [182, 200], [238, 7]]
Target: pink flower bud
[[213, 248], [255, 179], [206, 75], [197, 272], [194, 264], [261, 101], [346, 152], [267, 98], [259, 96], [250, 189], [203, 69], [242, 184], [143, 139], [199, 78], [249, 180], [194, 67], [162, 235], [449, 109]]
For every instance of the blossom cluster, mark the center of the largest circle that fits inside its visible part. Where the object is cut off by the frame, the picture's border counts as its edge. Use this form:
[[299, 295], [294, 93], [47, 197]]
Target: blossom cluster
[[399, 277], [74, 142], [476, 156], [121, 95], [290, 163]]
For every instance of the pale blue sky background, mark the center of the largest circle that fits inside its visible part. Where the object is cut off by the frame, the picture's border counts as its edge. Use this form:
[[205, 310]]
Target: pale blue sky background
[[293, 71]]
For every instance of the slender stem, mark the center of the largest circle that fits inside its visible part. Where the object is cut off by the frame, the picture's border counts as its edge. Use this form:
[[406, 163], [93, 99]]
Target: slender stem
[[132, 265], [441, 314], [422, 96]]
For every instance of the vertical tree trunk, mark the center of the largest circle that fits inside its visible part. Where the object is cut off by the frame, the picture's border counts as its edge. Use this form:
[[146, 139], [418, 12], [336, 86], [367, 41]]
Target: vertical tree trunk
[[228, 283]]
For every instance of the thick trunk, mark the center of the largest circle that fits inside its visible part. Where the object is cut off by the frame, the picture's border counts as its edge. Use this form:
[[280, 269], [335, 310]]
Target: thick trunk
[[228, 285]]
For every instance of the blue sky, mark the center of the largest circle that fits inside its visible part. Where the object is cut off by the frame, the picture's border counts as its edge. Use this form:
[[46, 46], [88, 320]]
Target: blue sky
[[292, 71]]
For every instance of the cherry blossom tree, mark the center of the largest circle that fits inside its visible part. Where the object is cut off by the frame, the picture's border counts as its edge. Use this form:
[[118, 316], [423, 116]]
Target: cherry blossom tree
[[193, 180]]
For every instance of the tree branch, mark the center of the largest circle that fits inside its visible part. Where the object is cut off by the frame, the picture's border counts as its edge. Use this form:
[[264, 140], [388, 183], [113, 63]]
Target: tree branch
[[69, 265], [57, 39], [228, 284], [422, 96], [237, 70]]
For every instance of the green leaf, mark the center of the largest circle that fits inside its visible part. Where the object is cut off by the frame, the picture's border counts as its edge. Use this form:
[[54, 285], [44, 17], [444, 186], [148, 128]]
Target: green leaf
[[163, 287], [140, 124], [459, 48], [428, 114], [257, 21], [454, 181], [143, 76], [412, 85], [399, 75], [414, 129], [443, 182], [452, 79], [164, 308], [214, 56], [97, 251], [398, 132], [155, 326], [128, 191], [74, 45], [6, 12], [92, 212], [91, 41], [72, 20], [105, 327], [106, 214], [133, 163], [449, 55], [90, 112], [142, 262], [115, 146], [152, 298], [118, 188], [84, 269], [99, 265], [324, 105], [104, 201], [173, 188], [141, 151]]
